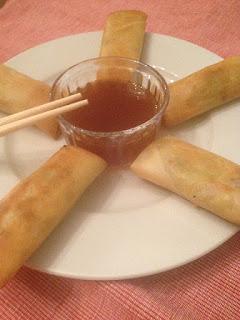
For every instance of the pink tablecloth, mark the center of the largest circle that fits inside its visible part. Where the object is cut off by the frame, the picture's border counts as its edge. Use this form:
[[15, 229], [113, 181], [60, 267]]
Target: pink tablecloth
[[205, 289]]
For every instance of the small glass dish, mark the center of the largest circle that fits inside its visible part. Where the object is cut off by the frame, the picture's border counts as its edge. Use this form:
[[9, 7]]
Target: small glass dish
[[118, 148]]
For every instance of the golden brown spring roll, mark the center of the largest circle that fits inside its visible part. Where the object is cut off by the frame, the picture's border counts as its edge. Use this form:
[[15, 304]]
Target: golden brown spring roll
[[18, 91], [124, 34], [202, 91], [30, 212], [204, 178]]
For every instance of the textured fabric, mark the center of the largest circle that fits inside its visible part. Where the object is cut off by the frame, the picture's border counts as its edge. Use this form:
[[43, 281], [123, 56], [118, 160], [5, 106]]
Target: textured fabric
[[208, 288]]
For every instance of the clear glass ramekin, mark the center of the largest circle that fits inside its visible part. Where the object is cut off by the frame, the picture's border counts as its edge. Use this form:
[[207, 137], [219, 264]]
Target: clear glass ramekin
[[118, 148]]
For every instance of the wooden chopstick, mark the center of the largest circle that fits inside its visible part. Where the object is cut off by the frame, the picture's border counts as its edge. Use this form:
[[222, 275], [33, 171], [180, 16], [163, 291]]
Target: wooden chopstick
[[30, 116], [40, 109]]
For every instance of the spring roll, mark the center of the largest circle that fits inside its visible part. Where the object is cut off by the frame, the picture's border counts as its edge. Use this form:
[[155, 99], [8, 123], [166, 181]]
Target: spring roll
[[204, 178], [30, 212], [124, 34], [18, 92], [202, 91], [122, 37]]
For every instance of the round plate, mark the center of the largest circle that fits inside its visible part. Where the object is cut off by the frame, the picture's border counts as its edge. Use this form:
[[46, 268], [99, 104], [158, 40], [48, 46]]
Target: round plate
[[123, 227]]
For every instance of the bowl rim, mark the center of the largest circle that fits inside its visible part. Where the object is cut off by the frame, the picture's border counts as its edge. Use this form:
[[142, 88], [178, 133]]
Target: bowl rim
[[78, 130]]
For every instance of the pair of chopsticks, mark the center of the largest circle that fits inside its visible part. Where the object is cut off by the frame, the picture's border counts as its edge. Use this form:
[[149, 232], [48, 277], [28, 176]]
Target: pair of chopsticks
[[30, 116]]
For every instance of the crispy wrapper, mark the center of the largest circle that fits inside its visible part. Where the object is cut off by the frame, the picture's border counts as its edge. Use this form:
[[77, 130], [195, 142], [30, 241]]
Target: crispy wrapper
[[30, 212], [202, 91], [18, 92], [124, 34], [204, 178]]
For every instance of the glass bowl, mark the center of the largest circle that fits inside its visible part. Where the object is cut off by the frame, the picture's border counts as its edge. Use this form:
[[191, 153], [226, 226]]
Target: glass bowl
[[118, 148]]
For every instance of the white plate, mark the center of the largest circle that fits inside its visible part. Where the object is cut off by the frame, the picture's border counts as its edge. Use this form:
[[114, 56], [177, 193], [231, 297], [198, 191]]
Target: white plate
[[123, 227]]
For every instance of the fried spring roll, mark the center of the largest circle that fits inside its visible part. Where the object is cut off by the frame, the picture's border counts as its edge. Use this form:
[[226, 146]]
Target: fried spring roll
[[124, 34], [30, 212], [202, 91], [18, 92], [204, 178]]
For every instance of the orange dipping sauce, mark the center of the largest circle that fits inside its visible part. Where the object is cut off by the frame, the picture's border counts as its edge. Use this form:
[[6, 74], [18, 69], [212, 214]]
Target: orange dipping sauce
[[114, 106]]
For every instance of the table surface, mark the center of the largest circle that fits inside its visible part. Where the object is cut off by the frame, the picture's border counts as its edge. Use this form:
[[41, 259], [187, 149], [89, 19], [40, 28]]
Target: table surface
[[208, 288]]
